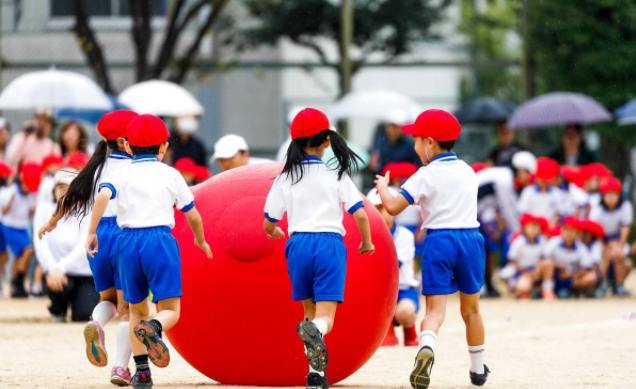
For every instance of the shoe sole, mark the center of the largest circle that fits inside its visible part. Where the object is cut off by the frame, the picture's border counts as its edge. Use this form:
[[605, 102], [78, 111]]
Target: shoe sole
[[157, 351], [317, 355], [95, 352], [420, 377], [142, 386], [119, 381]]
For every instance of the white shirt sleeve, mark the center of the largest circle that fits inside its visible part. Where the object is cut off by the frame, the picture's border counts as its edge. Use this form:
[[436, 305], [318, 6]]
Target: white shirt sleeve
[[550, 247], [78, 254], [417, 186], [586, 258], [41, 246], [524, 200], [405, 247], [596, 253], [349, 194], [627, 214], [185, 198], [275, 206], [113, 183], [515, 249], [5, 196]]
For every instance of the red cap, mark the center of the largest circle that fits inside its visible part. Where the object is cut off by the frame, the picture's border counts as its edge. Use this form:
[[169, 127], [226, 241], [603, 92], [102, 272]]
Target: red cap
[[572, 174], [593, 227], [610, 184], [552, 232], [434, 123], [528, 218], [186, 165], [201, 173], [479, 166], [309, 122], [595, 170], [572, 222], [31, 175], [6, 170], [77, 160], [147, 130], [52, 159], [113, 125], [547, 169], [400, 169]]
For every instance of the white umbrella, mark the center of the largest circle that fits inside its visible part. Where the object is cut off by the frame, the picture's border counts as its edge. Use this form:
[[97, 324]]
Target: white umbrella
[[54, 89], [380, 104], [161, 98]]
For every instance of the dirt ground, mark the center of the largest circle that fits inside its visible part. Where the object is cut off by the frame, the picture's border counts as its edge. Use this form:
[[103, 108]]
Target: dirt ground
[[530, 344]]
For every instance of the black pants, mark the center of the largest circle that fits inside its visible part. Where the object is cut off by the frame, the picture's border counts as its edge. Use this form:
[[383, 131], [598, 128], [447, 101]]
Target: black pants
[[79, 293]]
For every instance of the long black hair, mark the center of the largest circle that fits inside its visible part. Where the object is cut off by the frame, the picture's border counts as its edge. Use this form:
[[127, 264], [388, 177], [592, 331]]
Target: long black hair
[[348, 161], [79, 198]]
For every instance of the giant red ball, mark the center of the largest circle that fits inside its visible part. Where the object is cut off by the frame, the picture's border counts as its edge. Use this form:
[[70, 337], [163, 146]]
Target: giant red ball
[[238, 321]]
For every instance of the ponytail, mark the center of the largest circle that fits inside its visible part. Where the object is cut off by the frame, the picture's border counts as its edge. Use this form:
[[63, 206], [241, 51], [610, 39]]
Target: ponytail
[[348, 161], [79, 198]]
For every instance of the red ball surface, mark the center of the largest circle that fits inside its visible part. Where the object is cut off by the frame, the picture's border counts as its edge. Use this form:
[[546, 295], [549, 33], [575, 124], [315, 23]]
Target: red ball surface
[[238, 321]]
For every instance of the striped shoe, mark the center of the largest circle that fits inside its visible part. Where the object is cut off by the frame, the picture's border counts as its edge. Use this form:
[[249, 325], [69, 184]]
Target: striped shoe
[[95, 346], [149, 334]]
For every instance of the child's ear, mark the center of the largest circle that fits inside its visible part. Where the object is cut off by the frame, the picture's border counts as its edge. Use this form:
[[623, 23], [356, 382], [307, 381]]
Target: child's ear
[[126, 146], [327, 142], [164, 148]]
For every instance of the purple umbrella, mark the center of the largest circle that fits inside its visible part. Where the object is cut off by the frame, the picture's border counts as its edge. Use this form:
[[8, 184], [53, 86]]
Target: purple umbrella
[[558, 109]]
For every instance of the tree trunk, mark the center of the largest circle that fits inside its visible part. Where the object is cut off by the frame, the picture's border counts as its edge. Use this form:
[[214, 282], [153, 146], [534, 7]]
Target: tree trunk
[[141, 34]]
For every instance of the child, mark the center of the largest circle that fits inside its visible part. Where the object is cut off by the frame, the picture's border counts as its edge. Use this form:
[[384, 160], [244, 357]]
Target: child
[[592, 234], [17, 203], [616, 216], [147, 192], [543, 198], [312, 194], [408, 295], [454, 257], [188, 170], [569, 255], [51, 164], [6, 178], [525, 265], [110, 156]]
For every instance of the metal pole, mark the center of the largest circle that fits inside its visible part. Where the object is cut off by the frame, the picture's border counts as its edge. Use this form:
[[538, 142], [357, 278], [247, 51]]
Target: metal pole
[[346, 37]]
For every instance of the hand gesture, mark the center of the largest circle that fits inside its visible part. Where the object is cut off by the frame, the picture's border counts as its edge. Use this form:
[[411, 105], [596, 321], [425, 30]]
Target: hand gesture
[[277, 234], [367, 248], [205, 247], [56, 280], [48, 227], [92, 245], [382, 182]]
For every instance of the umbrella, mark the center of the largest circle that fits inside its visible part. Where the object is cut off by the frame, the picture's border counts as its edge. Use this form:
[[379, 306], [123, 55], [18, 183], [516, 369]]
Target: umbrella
[[90, 116], [558, 109], [380, 104], [54, 89], [485, 110], [161, 98], [626, 114]]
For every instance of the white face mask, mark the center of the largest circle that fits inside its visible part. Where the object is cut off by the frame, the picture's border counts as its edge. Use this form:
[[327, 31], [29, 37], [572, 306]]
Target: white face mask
[[187, 125]]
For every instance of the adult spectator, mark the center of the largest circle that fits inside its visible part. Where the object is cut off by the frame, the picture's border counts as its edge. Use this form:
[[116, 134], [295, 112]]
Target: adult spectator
[[62, 255], [506, 148], [231, 151], [73, 139], [392, 146], [5, 135], [572, 150], [33, 143], [183, 143]]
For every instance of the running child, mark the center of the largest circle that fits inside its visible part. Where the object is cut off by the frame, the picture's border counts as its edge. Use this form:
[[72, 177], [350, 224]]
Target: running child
[[408, 303], [454, 257], [110, 156], [526, 265], [312, 194], [18, 204], [147, 192]]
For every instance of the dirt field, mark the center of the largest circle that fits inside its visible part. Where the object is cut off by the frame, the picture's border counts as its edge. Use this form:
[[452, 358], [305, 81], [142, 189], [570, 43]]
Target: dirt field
[[530, 344]]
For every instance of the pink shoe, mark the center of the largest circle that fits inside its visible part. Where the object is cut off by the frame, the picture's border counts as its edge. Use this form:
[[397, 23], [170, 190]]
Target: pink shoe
[[120, 376], [95, 346], [548, 294], [410, 337]]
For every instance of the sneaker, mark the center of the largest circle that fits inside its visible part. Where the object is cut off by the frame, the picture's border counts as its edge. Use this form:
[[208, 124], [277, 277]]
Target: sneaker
[[120, 376], [548, 294], [410, 337], [563, 294], [620, 291], [37, 291], [18, 291], [390, 340], [421, 374], [479, 379], [149, 334], [141, 379], [58, 319], [95, 347], [316, 381], [317, 355]]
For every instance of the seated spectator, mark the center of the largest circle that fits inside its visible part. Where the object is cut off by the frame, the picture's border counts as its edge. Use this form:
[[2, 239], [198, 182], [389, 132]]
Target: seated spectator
[[572, 150], [231, 151], [51, 164], [543, 198], [592, 234], [188, 170], [183, 143], [62, 255]]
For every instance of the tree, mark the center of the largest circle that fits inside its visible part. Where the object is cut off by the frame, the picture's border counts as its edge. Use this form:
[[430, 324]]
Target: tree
[[388, 27], [168, 63]]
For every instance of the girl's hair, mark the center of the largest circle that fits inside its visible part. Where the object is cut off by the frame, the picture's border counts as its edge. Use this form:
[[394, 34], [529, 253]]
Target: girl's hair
[[348, 161], [82, 143], [78, 199]]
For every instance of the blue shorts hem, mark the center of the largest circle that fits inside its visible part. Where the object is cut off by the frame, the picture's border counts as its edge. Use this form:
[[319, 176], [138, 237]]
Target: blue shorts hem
[[168, 295], [338, 299], [103, 287], [470, 291], [439, 291], [134, 300]]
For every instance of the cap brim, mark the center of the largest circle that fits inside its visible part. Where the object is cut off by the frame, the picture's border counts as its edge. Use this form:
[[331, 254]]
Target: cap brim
[[409, 129], [224, 154]]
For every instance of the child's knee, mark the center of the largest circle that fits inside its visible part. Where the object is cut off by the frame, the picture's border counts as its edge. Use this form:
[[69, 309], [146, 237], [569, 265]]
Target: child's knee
[[140, 309]]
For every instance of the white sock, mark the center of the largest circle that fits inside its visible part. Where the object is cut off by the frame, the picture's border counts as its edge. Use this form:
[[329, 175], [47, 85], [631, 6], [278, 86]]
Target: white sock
[[124, 351], [428, 338], [322, 325], [477, 358], [104, 312], [547, 285]]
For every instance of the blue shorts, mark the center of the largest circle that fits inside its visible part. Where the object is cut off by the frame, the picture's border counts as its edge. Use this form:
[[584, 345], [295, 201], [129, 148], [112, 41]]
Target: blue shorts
[[149, 260], [562, 284], [317, 266], [454, 259], [410, 294], [17, 239], [104, 265], [3, 241]]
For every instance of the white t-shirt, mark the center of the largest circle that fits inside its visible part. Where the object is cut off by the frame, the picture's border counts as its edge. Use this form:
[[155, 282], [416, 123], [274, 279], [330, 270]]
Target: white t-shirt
[[574, 258], [596, 252], [19, 214], [409, 217], [497, 192], [405, 248], [45, 191], [116, 161], [313, 204], [526, 254], [447, 192], [547, 204], [613, 221], [146, 193], [63, 248]]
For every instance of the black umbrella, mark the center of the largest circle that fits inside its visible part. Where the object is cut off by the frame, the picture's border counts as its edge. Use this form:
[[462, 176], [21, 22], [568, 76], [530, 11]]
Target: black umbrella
[[485, 110]]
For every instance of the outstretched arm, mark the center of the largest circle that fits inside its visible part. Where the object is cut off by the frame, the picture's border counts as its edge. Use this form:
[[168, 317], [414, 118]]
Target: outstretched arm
[[273, 232], [362, 221], [50, 225], [101, 202], [196, 225], [394, 205]]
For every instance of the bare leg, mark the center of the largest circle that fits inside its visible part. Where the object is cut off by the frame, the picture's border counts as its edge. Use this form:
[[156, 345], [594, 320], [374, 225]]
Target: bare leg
[[435, 313], [469, 307], [405, 313], [138, 312], [169, 311]]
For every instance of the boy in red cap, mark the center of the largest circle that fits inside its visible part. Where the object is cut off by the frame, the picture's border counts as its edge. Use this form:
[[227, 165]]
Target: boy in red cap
[[454, 256], [146, 193], [543, 198]]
